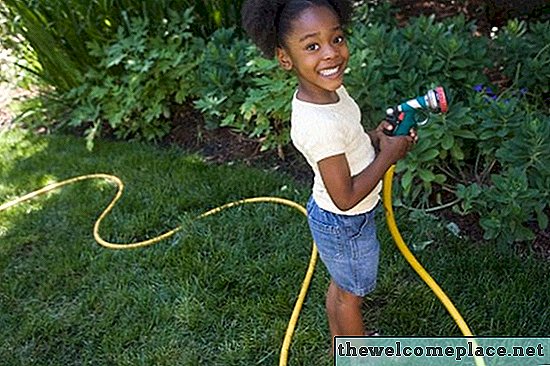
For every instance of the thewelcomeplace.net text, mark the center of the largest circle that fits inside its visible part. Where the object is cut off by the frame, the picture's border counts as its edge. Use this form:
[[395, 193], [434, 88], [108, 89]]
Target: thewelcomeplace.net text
[[348, 349]]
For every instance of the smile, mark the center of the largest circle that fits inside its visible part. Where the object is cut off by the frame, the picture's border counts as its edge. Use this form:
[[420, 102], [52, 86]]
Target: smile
[[330, 72]]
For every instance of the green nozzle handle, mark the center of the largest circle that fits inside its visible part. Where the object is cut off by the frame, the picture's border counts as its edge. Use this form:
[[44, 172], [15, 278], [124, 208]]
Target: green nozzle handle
[[405, 116]]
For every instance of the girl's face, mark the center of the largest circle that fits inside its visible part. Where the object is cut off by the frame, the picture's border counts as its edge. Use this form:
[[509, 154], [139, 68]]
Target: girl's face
[[317, 51]]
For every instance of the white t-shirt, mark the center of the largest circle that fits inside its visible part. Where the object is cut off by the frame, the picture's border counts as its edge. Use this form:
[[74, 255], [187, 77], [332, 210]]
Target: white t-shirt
[[320, 131]]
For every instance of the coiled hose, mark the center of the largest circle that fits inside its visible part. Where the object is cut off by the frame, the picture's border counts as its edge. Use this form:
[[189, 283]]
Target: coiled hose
[[283, 359]]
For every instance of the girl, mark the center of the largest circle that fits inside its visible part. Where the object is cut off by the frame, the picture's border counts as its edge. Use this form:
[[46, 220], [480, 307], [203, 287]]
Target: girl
[[307, 37]]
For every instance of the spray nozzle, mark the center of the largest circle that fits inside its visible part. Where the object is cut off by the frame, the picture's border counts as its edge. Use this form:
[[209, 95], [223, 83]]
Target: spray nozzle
[[408, 115]]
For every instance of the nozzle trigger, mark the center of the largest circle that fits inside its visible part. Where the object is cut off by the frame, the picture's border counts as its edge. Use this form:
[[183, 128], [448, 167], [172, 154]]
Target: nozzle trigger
[[393, 120]]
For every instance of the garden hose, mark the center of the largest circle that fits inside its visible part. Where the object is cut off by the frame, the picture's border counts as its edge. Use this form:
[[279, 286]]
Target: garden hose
[[120, 188], [411, 259], [283, 359]]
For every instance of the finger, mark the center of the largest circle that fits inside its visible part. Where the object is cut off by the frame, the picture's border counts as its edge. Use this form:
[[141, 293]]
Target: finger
[[412, 135], [385, 125]]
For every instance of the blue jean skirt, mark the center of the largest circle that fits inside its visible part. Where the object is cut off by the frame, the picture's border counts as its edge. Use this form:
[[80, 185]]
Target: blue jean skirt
[[348, 247]]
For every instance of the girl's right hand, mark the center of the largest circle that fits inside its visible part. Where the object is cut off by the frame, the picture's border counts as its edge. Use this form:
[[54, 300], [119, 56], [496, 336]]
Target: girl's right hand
[[394, 148]]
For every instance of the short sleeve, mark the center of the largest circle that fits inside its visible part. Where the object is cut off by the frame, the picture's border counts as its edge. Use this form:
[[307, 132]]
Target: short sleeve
[[325, 141]]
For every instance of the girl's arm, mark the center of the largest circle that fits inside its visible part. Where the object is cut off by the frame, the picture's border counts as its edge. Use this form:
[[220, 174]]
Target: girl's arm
[[347, 191]]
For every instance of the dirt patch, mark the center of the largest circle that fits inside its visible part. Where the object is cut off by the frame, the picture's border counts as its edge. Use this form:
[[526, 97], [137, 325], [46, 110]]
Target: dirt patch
[[222, 145], [7, 95], [486, 13]]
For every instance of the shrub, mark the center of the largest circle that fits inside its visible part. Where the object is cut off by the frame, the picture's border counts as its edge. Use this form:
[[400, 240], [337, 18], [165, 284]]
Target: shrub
[[266, 110], [238, 88], [392, 64], [221, 86], [486, 155], [522, 52], [520, 194], [47, 49], [470, 158], [55, 31], [491, 157], [143, 72]]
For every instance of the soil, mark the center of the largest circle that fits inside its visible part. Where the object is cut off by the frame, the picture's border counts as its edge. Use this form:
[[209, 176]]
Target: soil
[[222, 145]]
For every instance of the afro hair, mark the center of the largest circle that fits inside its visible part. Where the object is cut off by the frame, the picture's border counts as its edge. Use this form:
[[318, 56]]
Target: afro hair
[[267, 22]]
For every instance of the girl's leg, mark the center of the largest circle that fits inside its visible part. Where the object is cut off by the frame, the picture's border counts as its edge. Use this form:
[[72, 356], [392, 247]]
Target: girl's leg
[[344, 312]]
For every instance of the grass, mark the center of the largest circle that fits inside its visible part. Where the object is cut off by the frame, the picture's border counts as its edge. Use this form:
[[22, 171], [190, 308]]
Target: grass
[[221, 291]]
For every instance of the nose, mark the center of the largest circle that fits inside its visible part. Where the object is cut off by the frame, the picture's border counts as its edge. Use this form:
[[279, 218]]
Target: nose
[[330, 52]]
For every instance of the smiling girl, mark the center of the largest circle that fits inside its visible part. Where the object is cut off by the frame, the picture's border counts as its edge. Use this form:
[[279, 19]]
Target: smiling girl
[[308, 38]]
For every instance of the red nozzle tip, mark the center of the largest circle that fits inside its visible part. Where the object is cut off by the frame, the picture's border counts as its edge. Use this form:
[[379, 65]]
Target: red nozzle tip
[[442, 99]]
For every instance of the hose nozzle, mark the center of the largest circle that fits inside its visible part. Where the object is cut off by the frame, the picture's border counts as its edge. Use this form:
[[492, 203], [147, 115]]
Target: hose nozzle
[[405, 115], [436, 100]]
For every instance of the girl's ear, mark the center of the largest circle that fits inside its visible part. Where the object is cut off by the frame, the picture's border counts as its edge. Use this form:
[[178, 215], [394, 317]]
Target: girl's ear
[[284, 59]]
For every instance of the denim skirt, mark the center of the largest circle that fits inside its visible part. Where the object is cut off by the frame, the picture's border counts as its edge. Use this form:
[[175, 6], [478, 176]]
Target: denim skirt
[[348, 247]]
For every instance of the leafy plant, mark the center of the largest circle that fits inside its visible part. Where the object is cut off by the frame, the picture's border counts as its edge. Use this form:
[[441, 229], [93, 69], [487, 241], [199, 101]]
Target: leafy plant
[[46, 51], [509, 203], [238, 88], [142, 73], [266, 109], [215, 14], [221, 86], [56, 32], [392, 64], [142, 60], [523, 54], [492, 157]]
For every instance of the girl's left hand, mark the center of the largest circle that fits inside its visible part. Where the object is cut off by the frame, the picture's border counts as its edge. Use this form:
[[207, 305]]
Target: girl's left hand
[[385, 125], [414, 135]]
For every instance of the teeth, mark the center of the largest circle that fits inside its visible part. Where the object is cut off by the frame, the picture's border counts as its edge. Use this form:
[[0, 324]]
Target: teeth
[[329, 72]]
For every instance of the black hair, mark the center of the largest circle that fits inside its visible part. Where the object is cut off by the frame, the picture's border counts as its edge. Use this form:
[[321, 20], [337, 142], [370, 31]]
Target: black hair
[[267, 22]]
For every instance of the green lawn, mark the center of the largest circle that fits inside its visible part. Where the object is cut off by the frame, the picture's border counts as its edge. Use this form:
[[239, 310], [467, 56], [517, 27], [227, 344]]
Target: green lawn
[[221, 291]]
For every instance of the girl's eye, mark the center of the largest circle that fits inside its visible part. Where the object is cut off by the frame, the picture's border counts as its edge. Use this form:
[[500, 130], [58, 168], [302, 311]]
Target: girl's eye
[[339, 39], [312, 47]]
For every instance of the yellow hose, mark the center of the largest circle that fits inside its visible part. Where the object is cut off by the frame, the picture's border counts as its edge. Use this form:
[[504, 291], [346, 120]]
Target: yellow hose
[[283, 359], [120, 188], [411, 259]]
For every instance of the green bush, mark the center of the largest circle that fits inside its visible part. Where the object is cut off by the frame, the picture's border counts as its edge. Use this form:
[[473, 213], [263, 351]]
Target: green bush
[[221, 86], [56, 32], [492, 157], [214, 14], [392, 64], [520, 194], [484, 156], [522, 52], [237, 88], [266, 110], [49, 48], [143, 72]]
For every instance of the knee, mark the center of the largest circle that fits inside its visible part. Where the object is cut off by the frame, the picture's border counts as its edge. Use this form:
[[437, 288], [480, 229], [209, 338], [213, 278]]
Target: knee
[[343, 297]]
